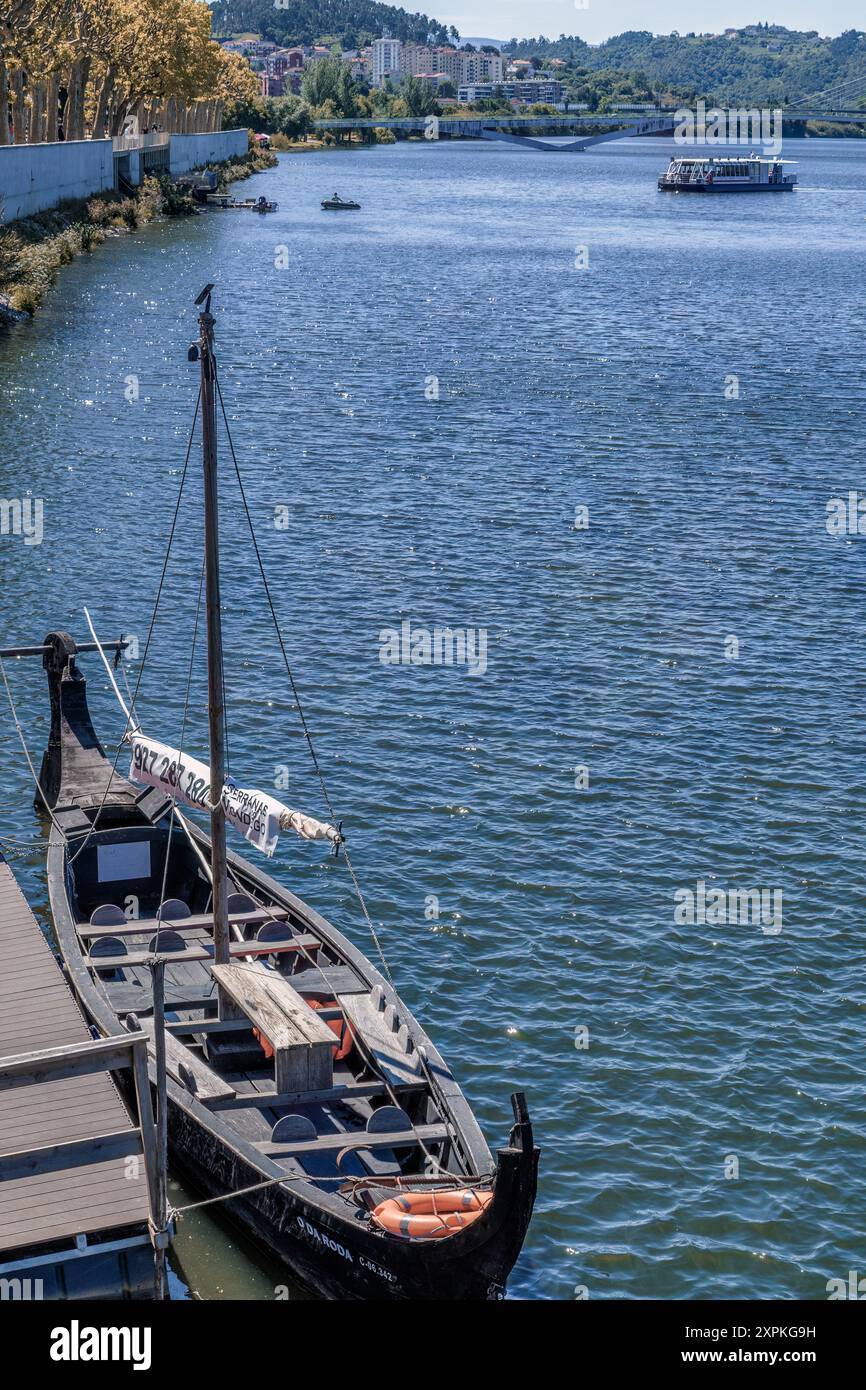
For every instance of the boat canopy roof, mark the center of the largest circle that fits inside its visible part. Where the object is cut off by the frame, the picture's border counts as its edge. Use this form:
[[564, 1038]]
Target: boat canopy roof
[[728, 159]]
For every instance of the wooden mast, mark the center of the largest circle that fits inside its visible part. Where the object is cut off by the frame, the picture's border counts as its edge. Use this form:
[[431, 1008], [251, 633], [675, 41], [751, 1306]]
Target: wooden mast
[[214, 628]]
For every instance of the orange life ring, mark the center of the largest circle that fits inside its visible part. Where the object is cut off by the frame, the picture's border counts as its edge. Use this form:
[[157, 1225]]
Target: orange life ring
[[338, 1026], [431, 1215]]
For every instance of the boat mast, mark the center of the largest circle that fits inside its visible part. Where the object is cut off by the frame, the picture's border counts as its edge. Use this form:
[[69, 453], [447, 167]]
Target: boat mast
[[219, 863]]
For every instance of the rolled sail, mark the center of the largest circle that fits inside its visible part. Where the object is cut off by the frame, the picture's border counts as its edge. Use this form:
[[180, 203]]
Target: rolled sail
[[307, 827], [258, 816]]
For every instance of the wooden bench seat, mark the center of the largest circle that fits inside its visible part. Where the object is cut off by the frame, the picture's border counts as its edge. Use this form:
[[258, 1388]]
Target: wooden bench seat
[[148, 926], [138, 999], [205, 952], [207, 1085], [201, 1027], [357, 1090], [356, 1139], [336, 979], [303, 1044]]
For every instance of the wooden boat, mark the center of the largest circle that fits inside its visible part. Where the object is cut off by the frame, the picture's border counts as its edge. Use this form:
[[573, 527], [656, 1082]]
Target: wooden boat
[[296, 1076], [338, 204]]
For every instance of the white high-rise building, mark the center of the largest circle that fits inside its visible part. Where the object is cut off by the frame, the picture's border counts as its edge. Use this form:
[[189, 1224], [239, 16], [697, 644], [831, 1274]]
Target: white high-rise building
[[387, 60]]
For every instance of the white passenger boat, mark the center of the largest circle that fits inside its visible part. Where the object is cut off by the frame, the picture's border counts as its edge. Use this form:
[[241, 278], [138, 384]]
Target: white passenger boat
[[727, 174]]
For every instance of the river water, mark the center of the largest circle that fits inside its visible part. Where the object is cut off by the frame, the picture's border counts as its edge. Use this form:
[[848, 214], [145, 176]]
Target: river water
[[424, 396]]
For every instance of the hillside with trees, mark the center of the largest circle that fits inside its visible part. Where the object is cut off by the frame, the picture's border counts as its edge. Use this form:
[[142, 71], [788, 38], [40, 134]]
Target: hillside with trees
[[349, 23], [762, 63]]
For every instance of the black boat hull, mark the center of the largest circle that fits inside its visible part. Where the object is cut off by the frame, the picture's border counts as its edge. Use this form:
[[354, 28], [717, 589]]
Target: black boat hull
[[717, 188], [342, 1260]]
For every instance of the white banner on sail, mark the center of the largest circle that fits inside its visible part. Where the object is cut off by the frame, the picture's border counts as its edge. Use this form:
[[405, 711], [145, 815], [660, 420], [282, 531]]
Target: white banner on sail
[[255, 814]]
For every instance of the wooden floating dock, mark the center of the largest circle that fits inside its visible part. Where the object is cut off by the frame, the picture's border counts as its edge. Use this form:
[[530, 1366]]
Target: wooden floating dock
[[77, 1173]]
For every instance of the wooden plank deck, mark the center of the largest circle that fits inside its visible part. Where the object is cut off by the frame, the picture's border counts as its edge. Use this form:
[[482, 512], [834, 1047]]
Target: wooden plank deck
[[37, 1011]]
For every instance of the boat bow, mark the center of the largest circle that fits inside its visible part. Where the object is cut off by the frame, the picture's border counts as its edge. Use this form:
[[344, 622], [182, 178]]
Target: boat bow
[[75, 770]]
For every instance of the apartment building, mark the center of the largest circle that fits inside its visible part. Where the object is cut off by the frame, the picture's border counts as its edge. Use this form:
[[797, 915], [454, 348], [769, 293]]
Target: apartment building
[[528, 91], [387, 60], [394, 59]]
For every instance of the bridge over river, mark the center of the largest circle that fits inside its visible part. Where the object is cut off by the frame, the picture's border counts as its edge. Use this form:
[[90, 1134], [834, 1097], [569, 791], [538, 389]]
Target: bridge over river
[[535, 132]]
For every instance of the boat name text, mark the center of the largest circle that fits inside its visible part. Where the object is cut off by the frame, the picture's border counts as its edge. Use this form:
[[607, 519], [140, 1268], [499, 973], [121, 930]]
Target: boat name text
[[324, 1240]]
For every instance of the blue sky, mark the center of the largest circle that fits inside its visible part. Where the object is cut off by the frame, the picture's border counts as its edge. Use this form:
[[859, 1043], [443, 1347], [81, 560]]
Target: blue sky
[[501, 19]]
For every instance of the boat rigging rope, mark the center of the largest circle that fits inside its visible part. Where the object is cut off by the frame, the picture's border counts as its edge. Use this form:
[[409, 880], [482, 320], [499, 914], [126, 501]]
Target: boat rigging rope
[[174, 521], [128, 690], [17, 723], [174, 810], [12, 848], [311, 746], [189, 444], [296, 693], [473, 1181], [309, 739]]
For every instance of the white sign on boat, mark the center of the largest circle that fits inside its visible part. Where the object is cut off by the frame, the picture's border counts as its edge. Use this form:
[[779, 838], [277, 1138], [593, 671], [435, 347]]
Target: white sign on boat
[[258, 816]]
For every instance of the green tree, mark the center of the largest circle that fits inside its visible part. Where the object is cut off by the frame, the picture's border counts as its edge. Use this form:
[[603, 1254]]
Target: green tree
[[329, 80], [290, 116], [419, 97]]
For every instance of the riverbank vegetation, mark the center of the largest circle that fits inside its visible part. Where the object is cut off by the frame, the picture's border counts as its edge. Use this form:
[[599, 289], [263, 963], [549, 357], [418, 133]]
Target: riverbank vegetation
[[85, 69], [34, 249]]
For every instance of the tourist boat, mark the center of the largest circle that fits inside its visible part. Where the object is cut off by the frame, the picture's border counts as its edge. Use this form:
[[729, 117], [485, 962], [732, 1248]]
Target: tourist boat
[[296, 1077], [338, 204], [727, 174]]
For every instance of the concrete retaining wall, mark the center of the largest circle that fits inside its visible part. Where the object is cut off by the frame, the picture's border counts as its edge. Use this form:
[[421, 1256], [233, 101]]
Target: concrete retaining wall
[[192, 151], [35, 177]]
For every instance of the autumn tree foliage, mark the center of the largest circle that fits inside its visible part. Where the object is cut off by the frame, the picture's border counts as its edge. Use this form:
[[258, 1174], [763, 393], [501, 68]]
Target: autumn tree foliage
[[79, 69]]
